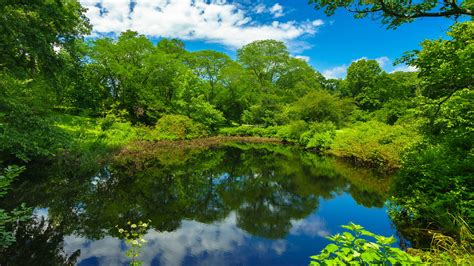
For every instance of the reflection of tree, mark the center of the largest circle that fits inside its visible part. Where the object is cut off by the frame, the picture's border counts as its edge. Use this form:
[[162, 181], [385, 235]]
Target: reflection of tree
[[267, 187], [266, 200], [38, 243]]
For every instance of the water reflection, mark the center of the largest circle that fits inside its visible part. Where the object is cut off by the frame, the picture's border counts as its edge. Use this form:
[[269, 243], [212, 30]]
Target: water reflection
[[240, 204]]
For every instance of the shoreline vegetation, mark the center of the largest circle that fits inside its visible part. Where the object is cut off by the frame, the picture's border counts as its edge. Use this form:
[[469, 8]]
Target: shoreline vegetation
[[365, 149]]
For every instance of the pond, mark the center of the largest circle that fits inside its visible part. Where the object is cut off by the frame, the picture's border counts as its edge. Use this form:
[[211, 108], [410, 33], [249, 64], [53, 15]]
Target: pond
[[237, 204]]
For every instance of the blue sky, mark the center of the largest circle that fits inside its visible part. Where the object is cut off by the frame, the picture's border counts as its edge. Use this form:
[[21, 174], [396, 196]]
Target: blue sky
[[329, 43]]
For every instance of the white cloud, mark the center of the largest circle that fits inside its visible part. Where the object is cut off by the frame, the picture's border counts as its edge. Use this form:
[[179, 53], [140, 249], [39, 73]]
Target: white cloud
[[215, 21], [335, 72], [383, 60], [404, 68], [193, 238], [303, 57], [341, 71], [276, 10], [260, 8]]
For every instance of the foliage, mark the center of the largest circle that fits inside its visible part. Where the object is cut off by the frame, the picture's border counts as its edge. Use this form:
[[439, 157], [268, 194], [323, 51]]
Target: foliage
[[38, 242], [319, 106], [292, 131], [395, 13], [249, 130], [436, 178], [374, 143], [30, 29], [447, 250], [354, 248], [28, 35], [179, 127], [265, 59], [18, 214], [25, 129], [207, 65], [445, 66], [203, 112], [319, 136], [133, 236]]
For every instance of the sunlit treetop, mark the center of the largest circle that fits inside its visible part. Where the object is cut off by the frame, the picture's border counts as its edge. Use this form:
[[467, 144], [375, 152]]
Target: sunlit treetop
[[393, 13]]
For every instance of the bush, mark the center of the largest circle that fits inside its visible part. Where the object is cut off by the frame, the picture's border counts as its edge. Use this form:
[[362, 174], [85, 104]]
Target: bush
[[174, 127], [374, 143], [318, 106], [319, 136], [203, 112], [292, 131], [354, 249], [249, 130]]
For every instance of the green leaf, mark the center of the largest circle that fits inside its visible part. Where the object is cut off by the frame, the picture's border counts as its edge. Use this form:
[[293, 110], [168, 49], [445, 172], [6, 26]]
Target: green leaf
[[348, 236], [331, 248]]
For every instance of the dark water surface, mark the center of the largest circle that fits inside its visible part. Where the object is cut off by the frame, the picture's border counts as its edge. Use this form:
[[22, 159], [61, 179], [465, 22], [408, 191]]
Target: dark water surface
[[240, 204]]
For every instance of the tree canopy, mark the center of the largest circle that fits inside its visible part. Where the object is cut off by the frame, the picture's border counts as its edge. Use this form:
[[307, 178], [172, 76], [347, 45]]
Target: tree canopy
[[395, 13]]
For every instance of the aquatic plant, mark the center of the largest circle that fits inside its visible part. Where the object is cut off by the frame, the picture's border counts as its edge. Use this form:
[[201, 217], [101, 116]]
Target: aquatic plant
[[354, 248], [134, 238]]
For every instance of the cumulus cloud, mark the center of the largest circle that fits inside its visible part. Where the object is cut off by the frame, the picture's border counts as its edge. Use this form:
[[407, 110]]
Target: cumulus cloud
[[276, 10], [303, 57], [339, 72], [383, 60], [260, 8], [404, 68], [335, 72], [214, 21]]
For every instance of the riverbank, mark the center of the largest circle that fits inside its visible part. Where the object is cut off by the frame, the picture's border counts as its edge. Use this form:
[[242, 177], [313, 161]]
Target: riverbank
[[370, 144]]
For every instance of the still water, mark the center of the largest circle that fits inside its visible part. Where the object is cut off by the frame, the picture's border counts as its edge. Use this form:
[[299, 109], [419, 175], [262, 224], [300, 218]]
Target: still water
[[240, 204]]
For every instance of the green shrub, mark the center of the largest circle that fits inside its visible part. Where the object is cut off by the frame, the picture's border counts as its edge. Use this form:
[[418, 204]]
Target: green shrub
[[174, 127], [291, 132], [319, 136], [249, 130], [203, 112], [374, 143], [354, 249], [319, 106]]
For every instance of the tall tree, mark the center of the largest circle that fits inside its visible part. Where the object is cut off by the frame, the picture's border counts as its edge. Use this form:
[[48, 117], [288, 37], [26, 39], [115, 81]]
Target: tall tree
[[207, 65], [30, 31], [266, 59]]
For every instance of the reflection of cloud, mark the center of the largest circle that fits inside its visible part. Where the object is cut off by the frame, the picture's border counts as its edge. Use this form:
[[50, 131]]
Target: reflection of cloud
[[194, 238], [210, 244], [108, 250], [212, 241], [311, 226], [279, 246]]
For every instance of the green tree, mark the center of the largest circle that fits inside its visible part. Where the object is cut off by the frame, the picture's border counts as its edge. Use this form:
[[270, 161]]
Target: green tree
[[320, 106], [266, 59], [172, 46], [237, 91], [298, 78], [207, 65], [362, 76], [435, 183], [30, 32]]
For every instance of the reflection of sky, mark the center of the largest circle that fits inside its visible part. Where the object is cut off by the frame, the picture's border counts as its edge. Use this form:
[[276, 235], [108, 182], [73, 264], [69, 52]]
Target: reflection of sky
[[223, 243]]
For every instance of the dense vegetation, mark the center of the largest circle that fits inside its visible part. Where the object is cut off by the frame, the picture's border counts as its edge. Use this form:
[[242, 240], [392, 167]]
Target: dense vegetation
[[63, 94]]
